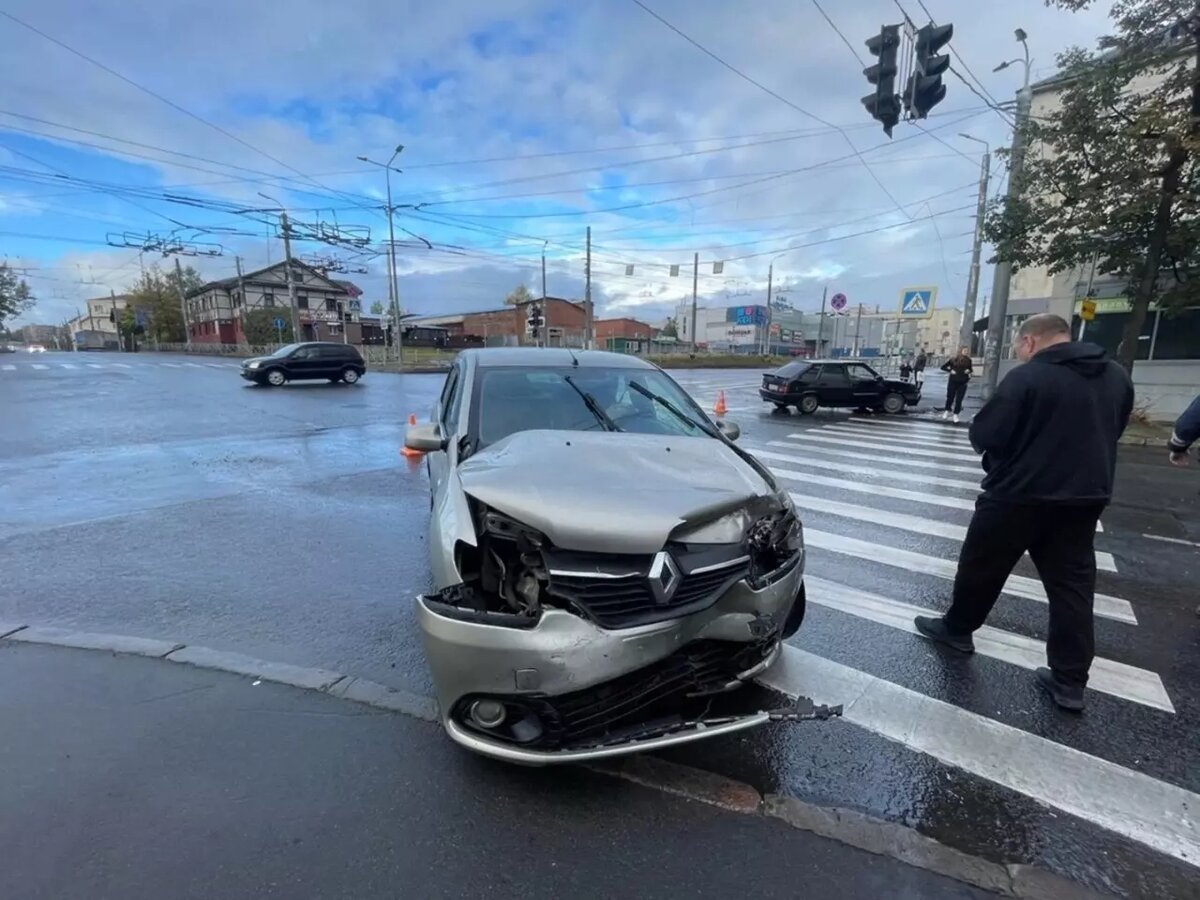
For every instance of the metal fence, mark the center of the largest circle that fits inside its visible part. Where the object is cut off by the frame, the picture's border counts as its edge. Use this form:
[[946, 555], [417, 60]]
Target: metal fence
[[374, 354]]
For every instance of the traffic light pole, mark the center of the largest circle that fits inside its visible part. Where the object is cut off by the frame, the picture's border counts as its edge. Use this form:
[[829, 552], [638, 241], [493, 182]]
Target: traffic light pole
[[967, 330], [998, 312]]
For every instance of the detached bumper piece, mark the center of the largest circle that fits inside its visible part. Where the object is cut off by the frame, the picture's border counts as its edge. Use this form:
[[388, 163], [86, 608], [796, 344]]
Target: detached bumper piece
[[672, 695]]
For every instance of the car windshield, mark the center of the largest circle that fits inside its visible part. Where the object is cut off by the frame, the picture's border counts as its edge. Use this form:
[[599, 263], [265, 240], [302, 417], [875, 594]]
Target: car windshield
[[286, 350], [509, 400]]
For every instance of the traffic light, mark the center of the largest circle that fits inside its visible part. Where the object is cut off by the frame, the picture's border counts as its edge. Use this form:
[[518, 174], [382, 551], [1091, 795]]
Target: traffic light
[[925, 90], [884, 105]]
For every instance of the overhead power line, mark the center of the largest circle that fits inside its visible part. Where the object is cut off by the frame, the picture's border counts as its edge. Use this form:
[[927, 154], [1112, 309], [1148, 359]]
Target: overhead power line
[[775, 94]]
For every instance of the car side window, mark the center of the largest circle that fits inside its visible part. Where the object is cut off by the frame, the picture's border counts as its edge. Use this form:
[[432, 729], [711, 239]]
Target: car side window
[[305, 353], [452, 401], [810, 375], [861, 373], [833, 376]]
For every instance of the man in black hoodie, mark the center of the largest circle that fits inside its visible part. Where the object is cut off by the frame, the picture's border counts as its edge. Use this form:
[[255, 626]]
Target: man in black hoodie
[[1049, 442]]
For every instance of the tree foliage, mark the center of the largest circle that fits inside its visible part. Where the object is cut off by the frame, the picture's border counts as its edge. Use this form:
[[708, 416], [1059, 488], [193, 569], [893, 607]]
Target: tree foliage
[[15, 296], [670, 330], [259, 326], [158, 293], [1110, 178], [377, 308], [518, 295]]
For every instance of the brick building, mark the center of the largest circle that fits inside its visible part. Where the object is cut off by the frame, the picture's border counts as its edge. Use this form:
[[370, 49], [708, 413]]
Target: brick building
[[624, 335], [508, 326]]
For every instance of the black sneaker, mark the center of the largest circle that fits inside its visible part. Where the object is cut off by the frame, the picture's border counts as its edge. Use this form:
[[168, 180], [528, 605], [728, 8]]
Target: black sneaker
[[1067, 696], [934, 628]]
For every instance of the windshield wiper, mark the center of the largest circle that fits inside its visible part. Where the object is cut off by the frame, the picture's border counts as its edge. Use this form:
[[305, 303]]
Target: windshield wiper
[[593, 405], [669, 407]]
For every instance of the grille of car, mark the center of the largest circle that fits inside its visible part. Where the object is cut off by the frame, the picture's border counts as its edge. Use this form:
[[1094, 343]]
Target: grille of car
[[628, 600], [653, 696]]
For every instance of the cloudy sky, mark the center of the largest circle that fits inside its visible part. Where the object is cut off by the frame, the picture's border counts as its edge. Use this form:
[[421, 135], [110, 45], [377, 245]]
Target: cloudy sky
[[523, 122]]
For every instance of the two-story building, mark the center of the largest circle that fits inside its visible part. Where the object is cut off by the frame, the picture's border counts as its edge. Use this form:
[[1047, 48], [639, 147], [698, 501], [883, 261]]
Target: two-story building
[[324, 306], [509, 325]]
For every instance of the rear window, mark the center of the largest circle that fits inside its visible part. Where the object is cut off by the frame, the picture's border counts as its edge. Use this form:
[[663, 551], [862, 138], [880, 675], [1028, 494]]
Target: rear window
[[793, 369]]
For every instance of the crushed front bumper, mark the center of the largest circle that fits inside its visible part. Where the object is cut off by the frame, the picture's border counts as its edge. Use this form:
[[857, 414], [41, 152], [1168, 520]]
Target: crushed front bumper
[[588, 687]]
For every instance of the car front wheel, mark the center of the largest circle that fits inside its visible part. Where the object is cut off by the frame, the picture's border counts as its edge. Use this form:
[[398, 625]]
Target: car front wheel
[[276, 378], [808, 405], [893, 404], [349, 375]]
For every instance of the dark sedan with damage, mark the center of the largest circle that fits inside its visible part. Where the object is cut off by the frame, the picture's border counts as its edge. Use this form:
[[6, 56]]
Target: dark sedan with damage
[[811, 384]]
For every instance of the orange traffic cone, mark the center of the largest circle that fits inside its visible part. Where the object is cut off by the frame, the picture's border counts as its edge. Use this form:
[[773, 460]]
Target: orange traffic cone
[[408, 451], [720, 409]]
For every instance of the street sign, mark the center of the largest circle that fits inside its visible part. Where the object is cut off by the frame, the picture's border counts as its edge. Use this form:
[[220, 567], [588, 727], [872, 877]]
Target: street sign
[[838, 301], [917, 303], [278, 323], [1087, 310]]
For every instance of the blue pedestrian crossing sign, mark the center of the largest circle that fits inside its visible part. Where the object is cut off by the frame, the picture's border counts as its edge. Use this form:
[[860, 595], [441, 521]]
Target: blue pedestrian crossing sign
[[917, 303]]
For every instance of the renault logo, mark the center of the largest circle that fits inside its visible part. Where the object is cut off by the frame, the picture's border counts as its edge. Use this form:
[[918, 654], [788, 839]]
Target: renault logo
[[664, 577]]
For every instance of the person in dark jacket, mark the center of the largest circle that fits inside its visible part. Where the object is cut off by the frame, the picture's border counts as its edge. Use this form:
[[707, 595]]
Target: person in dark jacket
[[1049, 442], [919, 367], [960, 368], [906, 370], [1185, 433]]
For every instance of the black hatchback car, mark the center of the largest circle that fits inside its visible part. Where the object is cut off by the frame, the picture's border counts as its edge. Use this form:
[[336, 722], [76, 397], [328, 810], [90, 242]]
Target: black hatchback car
[[809, 384], [309, 361]]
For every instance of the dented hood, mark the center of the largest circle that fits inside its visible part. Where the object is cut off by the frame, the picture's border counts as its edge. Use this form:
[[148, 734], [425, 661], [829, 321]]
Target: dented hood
[[611, 492]]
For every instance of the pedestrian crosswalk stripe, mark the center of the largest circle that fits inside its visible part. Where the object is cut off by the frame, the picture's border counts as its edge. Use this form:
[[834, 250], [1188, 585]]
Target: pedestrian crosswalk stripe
[[1129, 803], [123, 365], [843, 452], [40, 366], [68, 366], [880, 490], [852, 469], [95, 366], [918, 439], [215, 365], [846, 441], [170, 365], [1106, 675], [10, 368], [906, 522], [192, 365], [1017, 585], [926, 426]]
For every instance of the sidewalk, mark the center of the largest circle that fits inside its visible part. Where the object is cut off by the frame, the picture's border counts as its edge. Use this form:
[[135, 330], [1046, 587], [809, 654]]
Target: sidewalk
[[128, 777]]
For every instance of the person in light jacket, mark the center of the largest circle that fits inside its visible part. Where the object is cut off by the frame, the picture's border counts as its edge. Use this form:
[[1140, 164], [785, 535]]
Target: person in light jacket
[[960, 368]]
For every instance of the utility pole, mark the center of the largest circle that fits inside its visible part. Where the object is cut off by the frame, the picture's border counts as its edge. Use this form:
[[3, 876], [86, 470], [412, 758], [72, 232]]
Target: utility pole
[[695, 292], [998, 314], [545, 306], [857, 325], [821, 322], [966, 331], [240, 319], [767, 336], [291, 282], [116, 319], [587, 294], [393, 287], [187, 331]]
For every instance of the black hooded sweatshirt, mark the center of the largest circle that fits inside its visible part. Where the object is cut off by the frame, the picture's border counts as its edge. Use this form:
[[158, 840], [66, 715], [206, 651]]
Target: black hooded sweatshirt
[[1049, 433]]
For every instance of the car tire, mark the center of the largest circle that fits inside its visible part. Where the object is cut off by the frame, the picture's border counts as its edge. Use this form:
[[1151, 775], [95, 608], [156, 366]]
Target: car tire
[[350, 375], [276, 378], [893, 404], [808, 404]]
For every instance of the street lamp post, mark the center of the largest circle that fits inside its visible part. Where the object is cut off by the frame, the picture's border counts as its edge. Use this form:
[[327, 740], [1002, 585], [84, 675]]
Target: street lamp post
[[393, 287], [1002, 276], [770, 280], [287, 257]]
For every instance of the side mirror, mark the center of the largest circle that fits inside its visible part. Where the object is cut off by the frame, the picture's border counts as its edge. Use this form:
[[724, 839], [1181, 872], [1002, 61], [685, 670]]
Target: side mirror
[[731, 430], [426, 437]]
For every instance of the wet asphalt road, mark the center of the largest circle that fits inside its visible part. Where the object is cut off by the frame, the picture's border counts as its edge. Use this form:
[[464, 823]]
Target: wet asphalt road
[[160, 496]]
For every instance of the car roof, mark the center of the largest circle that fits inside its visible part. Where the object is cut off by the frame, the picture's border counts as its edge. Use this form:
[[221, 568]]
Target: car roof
[[844, 359], [324, 344], [539, 357]]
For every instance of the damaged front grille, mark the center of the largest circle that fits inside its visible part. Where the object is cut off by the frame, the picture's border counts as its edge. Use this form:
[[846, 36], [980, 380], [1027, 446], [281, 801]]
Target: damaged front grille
[[661, 696]]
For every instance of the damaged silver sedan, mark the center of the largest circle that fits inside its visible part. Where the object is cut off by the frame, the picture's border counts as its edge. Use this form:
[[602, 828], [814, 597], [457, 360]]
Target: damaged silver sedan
[[607, 563]]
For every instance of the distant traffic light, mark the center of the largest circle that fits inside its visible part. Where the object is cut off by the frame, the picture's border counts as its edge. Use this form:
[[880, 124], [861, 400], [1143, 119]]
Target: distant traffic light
[[925, 90], [883, 104]]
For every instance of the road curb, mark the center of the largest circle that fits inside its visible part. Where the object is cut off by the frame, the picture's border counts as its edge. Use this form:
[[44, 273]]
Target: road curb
[[878, 836]]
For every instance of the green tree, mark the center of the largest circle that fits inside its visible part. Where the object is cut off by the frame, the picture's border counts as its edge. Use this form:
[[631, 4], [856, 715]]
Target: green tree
[[259, 326], [158, 293], [1110, 178], [518, 295], [670, 330], [377, 308], [15, 296]]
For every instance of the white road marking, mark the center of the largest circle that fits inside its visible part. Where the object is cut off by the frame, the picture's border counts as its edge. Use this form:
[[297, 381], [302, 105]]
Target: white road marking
[[918, 440], [895, 460], [123, 365], [934, 428], [193, 365], [67, 366], [1171, 540], [905, 522], [856, 444], [95, 366], [170, 365], [40, 366], [876, 489], [1106, 675], [215, 365], [1144, 809], [852, 469], [1017, 585], [8, 368]]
